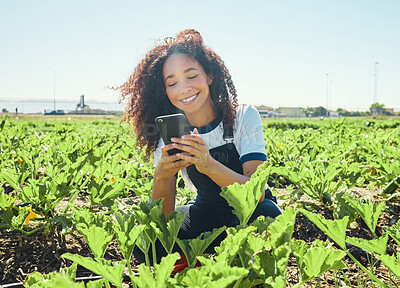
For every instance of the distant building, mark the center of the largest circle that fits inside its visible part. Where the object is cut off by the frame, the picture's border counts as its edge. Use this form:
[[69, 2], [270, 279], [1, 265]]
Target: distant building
[[333, 114], [290, 112], [265, 111], [390, 110]]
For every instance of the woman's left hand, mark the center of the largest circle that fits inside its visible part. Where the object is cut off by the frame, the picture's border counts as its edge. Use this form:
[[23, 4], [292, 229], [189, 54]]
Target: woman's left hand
[[199, 154]]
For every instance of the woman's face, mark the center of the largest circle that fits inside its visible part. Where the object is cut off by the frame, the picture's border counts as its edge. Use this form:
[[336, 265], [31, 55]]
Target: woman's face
[[187, 85]]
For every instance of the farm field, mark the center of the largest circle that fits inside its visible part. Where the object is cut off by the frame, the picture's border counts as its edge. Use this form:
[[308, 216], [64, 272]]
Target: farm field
[[74, 201]]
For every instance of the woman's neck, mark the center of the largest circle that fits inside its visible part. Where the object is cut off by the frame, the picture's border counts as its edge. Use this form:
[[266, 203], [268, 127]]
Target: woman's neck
[[201, 118]]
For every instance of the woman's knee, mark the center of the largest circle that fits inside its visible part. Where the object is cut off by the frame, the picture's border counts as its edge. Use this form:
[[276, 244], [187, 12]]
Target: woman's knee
[[267, 208]]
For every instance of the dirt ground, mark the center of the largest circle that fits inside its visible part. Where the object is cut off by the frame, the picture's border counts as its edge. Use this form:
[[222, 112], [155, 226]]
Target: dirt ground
[[21, 255]]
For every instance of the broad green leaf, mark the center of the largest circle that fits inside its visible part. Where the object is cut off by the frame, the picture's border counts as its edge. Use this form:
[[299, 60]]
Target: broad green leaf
[[335, 229], [96, 284], [127, 240], [97, 238], [244, 198], [148, 210], [111, 271], [37, 279], [271, 265], [58, 281], [127, 233], [7, 201], [161, 275], [313, 261], [262, 224], [341, 208], [168, 229], [394, 232], [86, 218], [230, 246], [211, 274], [104, 192], [392, 263], [368, 211], [375, 246], [252, 244], [196, 247], [280, 231], [11, 178]]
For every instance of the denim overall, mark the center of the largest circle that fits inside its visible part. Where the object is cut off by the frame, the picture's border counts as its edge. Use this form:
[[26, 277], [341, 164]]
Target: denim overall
[[209, 209]]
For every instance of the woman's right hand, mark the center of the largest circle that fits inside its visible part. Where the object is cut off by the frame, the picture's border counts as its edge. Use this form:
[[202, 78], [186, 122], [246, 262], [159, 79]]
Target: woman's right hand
[[169, 165]]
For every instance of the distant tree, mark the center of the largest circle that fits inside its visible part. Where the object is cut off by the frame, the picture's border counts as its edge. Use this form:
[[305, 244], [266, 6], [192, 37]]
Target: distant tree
[[320, 111], [342, 112], [316, 112], [4, 110], [308, 111], [377, 109]]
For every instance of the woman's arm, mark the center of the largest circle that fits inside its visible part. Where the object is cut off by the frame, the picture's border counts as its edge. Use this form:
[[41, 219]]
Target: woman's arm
[[165, 188], [164, 180]]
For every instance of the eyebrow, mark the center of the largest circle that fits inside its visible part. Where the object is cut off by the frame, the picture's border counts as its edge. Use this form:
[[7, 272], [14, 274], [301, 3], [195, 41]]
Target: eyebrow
[[186, 71]]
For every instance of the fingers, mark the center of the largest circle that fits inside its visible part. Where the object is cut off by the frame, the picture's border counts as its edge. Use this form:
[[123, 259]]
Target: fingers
[[165, 149], [194, 142], [180, 164]]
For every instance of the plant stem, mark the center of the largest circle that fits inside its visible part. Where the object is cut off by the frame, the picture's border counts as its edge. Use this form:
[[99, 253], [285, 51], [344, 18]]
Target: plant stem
[[373, 277], [147, 259], [238, 282], [153, 248], [32, 231]]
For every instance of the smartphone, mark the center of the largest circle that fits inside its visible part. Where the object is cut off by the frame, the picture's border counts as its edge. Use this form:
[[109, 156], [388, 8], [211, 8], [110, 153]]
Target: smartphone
[[172, 126]]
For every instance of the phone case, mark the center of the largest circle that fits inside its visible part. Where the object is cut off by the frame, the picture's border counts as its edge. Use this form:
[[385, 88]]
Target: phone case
[[172, 126]]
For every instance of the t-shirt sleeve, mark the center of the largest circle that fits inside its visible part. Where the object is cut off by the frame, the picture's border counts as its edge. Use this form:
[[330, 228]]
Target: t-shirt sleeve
[[157, 152], [251, 144]]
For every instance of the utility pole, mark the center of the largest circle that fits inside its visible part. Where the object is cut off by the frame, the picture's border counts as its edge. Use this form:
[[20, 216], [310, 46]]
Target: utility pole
[[327, 91], [54, 85], [376, 83]]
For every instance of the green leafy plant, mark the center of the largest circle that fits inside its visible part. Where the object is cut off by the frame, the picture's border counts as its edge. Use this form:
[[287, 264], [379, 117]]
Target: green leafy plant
[[160, 277], [196, 247], [368, 211], [244, 198], [315, 259], [111, 271]]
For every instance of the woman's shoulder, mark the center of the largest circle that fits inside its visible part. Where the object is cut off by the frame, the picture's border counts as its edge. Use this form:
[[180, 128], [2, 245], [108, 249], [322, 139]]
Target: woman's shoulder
[[246, 111]]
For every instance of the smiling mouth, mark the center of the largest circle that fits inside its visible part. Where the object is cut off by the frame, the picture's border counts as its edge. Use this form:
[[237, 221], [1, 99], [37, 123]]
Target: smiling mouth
[[189, 99]]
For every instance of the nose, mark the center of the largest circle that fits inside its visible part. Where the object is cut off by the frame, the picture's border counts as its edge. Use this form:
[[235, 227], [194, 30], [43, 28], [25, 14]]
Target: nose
[[185, 88]]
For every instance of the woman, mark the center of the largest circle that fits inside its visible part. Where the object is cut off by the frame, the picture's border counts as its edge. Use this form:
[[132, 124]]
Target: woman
[[226, 144]]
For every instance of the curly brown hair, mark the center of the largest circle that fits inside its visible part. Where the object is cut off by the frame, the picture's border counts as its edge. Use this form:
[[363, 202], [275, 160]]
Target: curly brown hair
[[147, 94]]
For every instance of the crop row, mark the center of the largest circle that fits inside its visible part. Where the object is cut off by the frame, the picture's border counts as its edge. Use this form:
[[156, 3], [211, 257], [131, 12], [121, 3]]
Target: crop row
[[45, 163]]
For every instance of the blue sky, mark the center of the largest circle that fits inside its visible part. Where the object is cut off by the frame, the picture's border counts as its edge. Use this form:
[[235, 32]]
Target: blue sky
[[278, 52]]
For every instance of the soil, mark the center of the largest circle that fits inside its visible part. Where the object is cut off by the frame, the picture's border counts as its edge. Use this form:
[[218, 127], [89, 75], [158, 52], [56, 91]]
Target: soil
[[21, 254]]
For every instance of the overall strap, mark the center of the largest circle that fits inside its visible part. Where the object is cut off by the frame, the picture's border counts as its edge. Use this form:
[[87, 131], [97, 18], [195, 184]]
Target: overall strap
[[228, 135]]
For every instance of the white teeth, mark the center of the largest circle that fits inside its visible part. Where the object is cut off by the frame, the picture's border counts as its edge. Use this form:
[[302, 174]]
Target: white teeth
[[189, 99]]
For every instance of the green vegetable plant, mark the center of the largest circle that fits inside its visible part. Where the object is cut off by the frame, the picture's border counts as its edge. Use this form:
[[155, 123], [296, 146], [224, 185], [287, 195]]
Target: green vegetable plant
[[368, 211], [316, 178], [192, 248], [315, 259], [127, 232], [160, 277], [336, 230], [244, 198]]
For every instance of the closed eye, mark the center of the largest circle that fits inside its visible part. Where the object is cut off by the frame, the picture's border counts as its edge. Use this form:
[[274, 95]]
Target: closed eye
[[193, 76], [170, 85]]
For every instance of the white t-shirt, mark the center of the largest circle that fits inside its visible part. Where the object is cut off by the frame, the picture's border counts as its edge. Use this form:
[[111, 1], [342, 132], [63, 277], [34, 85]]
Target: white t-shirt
[[247, 132]]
